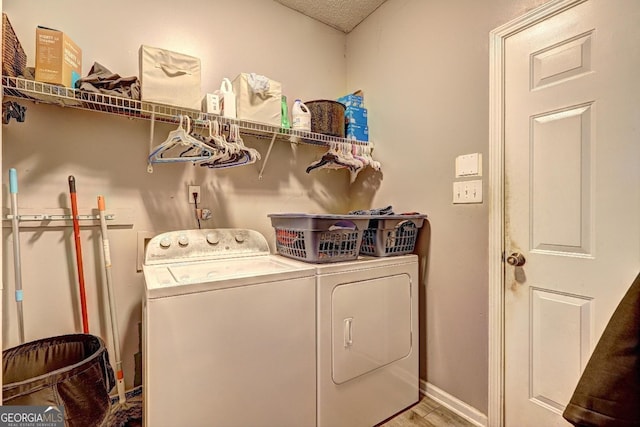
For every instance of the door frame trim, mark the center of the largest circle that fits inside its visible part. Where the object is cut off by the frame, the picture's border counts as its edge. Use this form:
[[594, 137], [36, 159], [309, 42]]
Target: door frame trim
[[497, 42]]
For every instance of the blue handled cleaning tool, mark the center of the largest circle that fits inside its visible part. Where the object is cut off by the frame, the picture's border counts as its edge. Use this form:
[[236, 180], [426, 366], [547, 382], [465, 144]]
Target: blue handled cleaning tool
[[13, 189]]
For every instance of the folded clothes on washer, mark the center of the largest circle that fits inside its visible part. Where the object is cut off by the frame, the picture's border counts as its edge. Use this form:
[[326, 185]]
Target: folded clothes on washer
[[379, 211]]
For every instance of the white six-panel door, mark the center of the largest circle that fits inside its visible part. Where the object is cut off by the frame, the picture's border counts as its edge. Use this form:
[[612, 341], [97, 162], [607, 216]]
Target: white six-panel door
[[571, 196]]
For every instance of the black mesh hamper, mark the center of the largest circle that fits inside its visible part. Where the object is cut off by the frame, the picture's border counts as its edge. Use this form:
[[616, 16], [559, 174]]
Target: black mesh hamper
[[69, 370]]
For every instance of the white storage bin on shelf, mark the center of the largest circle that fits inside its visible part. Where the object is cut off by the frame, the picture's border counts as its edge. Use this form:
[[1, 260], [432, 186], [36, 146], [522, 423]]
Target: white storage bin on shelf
[[170, 78], [319, 238], [388, 235]]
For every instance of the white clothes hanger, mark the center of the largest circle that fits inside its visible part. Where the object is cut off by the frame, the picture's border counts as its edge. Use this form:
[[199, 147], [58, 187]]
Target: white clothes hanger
[[373, 163], [234, 136], [180, 138], [354, 157], [229, 153], [356, 150]]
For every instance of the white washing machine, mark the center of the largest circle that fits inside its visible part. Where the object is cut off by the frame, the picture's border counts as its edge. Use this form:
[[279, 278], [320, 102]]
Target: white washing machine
[[367, 340], [229, 332]]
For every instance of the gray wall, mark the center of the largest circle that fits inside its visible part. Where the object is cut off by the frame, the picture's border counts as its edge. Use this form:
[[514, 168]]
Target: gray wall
[[423, 66], [108, 154], [424, 70]]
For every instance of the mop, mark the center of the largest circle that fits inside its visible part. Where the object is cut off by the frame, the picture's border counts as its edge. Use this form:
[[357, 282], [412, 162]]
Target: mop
[[76, 233], [121, 412], [13, 189]]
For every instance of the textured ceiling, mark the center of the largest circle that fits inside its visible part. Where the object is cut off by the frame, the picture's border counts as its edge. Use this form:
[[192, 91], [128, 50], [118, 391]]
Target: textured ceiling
[[341, 14]]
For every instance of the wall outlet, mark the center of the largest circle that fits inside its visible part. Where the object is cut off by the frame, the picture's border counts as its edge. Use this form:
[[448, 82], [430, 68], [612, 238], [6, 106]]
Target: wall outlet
[[469, 165], [467, 192], [194, 189]]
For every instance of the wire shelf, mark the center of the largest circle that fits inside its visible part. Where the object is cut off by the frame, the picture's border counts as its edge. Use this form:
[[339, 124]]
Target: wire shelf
[[39, 92]]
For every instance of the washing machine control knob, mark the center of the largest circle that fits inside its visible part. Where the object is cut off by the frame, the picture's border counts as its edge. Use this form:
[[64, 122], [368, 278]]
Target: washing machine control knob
[[213, 238], [239, 238], [165, 242], [183, 240]]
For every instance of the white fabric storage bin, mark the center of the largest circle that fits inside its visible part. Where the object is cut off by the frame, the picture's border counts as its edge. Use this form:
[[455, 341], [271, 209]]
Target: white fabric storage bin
[[170, 78], [263, 106]]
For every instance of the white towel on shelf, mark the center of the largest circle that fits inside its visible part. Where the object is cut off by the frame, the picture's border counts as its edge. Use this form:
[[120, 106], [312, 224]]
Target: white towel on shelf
[[259, 84]]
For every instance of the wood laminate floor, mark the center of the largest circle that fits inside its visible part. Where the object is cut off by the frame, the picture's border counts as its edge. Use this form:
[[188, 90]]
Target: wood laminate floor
[[426, 413]]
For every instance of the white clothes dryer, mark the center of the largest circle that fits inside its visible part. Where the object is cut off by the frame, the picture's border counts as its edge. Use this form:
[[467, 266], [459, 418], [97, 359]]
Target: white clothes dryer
[[367, 340], [228, 332]]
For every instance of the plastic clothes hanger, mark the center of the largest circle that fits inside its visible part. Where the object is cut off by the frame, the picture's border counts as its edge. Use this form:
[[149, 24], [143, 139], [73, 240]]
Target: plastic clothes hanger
[[180, 138], [211, 140], [348, 157], [367, 154], [244, 154], [228, 147], [214, 135], [329, 160], [237, 159], [356, 150], [202, 138], [230, 153], [234, 136], [332, 159], [358, 164]]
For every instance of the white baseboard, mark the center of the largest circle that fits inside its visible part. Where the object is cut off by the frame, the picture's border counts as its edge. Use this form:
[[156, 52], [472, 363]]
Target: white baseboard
[[454, 404]]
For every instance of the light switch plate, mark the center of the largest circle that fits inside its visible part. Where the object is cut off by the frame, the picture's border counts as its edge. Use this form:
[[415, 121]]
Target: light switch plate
[[467, 192], [469, 165]]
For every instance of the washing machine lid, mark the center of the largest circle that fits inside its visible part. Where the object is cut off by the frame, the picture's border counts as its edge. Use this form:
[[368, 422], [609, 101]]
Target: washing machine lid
[[187, 261], [191, 277]]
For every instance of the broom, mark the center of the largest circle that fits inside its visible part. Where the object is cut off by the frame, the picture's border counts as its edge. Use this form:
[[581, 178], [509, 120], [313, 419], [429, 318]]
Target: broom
[[112, 301], [121, 413], [76, 234]]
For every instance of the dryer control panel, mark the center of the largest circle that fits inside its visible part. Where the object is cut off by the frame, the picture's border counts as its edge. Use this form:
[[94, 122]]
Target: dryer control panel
[[207, 244]]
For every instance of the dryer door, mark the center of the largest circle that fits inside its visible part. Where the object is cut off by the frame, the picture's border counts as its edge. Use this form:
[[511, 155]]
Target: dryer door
[[371, 325]]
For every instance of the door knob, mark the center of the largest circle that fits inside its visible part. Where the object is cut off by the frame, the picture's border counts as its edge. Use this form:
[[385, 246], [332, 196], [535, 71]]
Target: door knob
[[516, 259]]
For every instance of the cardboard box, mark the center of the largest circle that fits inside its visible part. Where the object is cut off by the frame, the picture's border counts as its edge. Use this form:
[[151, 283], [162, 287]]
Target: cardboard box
[[356, 116], [58, 58], [352, 101], [264, 107], [361, 133]]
